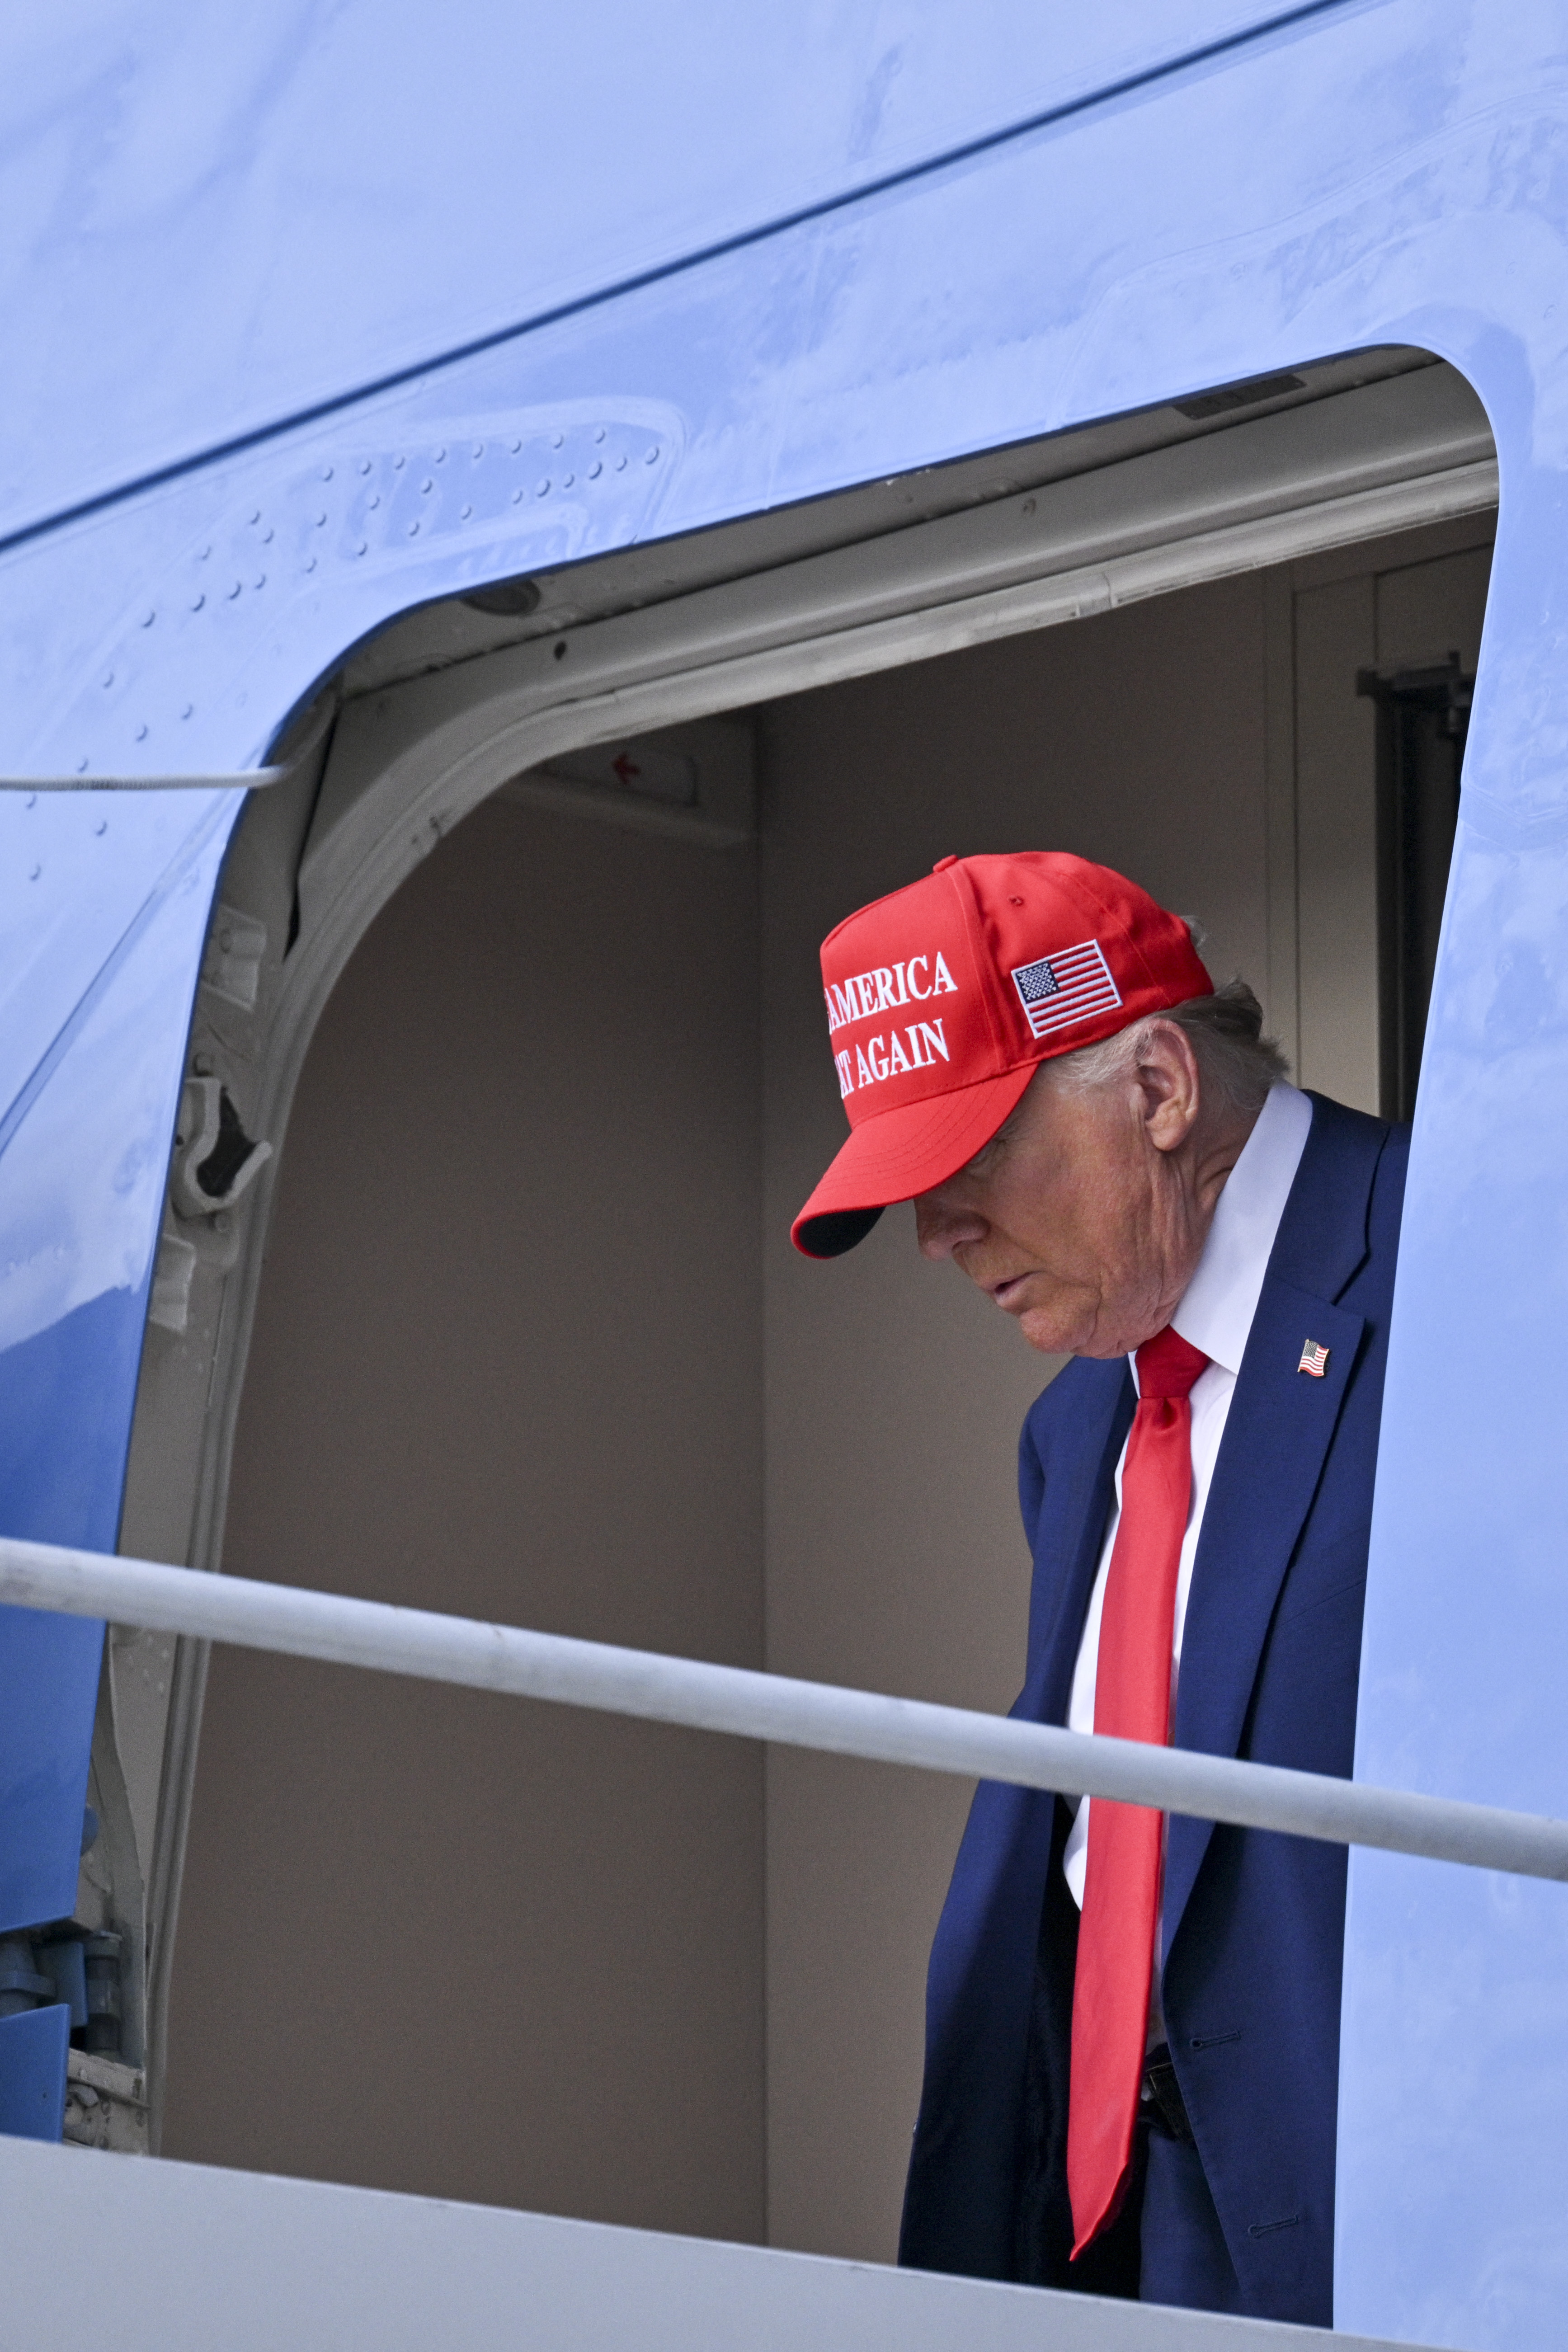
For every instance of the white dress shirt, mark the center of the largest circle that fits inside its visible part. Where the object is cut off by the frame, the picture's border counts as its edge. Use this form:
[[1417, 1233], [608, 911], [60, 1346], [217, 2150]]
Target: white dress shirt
[[1215, 1315]]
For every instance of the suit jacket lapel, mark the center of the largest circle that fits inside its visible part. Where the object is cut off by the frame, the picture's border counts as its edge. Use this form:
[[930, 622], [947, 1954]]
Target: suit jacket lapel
[[1067, 1542], [1276, 1438]]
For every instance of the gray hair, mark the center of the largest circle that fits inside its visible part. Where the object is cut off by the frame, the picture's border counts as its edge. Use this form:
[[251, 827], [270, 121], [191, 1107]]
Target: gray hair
[[1235, 1059]]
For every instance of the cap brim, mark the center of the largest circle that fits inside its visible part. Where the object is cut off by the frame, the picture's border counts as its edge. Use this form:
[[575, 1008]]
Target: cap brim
[[900, 1153]]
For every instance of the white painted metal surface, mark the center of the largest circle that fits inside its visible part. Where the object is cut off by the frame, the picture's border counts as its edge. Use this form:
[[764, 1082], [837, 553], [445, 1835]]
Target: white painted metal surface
[[201, 2258], [345, 1632], [243, 780]]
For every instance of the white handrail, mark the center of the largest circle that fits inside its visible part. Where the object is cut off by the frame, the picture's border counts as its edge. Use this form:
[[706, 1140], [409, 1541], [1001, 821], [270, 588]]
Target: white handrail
[[249, 779], [343, 1631]]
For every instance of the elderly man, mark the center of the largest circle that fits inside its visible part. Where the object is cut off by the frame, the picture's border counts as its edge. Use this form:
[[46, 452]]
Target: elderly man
[[1133, 2023]]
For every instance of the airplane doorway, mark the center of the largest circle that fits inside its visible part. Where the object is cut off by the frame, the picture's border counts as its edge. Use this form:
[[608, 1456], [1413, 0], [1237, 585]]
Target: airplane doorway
[[531, 1344], [529, 1340]]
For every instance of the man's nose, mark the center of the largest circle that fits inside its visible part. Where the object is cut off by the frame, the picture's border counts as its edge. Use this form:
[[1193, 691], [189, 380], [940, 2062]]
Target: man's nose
[[942, 1224]]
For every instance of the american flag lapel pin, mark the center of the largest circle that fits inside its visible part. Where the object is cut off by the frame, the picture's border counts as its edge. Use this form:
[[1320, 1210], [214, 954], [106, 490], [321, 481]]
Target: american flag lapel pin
[[1314, 1359]]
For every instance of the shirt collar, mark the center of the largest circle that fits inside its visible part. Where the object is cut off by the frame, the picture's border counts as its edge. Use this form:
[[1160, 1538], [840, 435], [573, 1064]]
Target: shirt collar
[[1219, 1302]]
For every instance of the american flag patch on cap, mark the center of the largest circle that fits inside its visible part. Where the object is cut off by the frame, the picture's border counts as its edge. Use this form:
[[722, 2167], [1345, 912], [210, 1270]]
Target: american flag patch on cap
[[1066, 987], [1314, 1359]]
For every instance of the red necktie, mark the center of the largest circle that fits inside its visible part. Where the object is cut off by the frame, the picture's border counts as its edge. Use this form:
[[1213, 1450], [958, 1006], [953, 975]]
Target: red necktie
[[1132, 1701]]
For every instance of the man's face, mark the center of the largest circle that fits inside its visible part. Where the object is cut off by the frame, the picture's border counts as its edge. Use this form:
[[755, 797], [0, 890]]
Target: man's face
[[1076, 1217]]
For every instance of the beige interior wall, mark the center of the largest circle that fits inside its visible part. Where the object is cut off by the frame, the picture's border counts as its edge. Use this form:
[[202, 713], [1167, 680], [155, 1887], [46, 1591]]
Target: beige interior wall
[[532, 1344], [1409, 602], [507, 1363]]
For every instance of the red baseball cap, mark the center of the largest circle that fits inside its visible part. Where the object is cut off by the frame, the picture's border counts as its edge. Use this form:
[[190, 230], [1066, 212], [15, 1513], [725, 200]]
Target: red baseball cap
[[945, 999]]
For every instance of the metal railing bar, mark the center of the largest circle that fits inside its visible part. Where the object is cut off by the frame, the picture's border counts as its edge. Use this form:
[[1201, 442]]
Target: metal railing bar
[[246, 779], [333, 1628]]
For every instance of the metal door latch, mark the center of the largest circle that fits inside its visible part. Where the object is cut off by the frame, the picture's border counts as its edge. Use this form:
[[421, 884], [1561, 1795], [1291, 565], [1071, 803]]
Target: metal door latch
[[231, 965], [214, 1159]]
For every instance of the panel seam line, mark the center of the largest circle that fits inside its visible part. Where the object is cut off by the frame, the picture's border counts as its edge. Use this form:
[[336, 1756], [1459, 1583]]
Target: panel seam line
[[177, 469]]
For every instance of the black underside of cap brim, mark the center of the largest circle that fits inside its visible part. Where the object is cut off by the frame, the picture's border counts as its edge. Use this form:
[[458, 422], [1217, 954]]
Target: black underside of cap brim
[[831, 1234]]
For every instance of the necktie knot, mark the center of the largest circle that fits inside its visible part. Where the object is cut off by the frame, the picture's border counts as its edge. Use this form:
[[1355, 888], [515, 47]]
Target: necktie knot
[[1168, 1365]]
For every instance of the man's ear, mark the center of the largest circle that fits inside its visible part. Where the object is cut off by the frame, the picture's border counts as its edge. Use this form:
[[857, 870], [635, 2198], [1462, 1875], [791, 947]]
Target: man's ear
[[1168, 1076]]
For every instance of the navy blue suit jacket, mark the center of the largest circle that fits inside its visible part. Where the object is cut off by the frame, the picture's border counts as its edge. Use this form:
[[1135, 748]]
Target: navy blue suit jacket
[[1253, 1923]]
